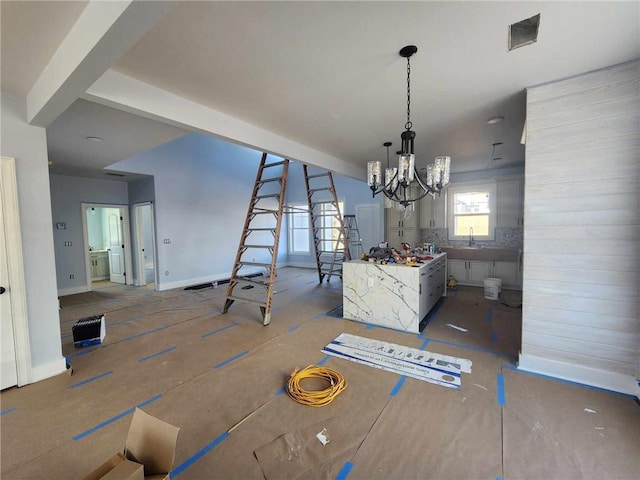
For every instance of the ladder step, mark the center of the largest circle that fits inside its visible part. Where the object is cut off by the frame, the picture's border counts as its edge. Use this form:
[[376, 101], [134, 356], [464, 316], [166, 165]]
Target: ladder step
[[262, 229], [255, 264], [313, 190], [256, 246], [250, 281], [262, 211], [318, 175], [270, 195], [248, 300], [274, 164], [267, 180]]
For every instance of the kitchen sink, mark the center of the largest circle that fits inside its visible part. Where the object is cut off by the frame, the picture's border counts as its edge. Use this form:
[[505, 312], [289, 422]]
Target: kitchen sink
[[496, 254]]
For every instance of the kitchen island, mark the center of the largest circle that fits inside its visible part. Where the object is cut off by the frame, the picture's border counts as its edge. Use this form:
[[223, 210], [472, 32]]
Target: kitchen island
[[393, 295]]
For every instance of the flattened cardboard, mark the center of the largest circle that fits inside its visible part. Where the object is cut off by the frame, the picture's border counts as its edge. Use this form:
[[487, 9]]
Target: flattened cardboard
[[151, 443]]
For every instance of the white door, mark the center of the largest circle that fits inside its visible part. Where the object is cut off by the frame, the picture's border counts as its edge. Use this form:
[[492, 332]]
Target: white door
[[116, 248], [145, 253], [8, 372], [369, 225]]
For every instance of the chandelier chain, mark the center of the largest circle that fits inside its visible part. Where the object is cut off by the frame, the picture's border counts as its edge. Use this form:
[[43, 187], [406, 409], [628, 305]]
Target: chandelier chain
[[408, 125]]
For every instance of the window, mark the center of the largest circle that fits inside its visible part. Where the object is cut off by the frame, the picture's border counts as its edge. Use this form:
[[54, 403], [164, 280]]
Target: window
[[298, 228], [472, 211], [330, 226]]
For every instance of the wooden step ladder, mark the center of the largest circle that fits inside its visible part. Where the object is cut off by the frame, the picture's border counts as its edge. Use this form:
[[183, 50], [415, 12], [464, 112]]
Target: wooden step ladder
[[261, 232], [353, 236], [329, 238]]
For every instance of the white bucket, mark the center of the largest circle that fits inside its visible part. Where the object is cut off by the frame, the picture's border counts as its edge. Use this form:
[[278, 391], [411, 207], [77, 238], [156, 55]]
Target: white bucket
[[492, 288]]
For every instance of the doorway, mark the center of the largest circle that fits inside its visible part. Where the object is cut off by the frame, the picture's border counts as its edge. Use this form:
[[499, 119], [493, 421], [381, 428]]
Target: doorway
[[15, 360], [107, 243], [145, 252], [369, 225]]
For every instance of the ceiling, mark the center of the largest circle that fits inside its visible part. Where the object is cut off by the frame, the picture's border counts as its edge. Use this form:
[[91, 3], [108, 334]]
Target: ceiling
[[328, 74]]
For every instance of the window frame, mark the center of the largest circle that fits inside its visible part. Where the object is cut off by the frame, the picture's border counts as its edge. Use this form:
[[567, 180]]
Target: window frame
[[324, 220], [295, 209], [456, 189]]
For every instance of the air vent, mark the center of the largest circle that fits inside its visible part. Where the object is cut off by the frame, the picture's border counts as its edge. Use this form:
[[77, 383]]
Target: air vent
[[524, 32], [115, 174]]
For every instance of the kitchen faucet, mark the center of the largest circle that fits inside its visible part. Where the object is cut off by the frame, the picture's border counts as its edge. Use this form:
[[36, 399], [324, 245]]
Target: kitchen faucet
[[471, 241]]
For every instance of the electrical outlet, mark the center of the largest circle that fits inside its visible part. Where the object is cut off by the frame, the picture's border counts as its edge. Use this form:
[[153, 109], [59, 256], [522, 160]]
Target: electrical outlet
[[166, 240], [71, 276]]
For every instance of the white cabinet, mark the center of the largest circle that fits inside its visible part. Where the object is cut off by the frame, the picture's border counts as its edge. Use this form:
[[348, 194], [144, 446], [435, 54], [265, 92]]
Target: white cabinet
[[402, 226], [99, 265], [510, 204], [433, 211], [473, 272]]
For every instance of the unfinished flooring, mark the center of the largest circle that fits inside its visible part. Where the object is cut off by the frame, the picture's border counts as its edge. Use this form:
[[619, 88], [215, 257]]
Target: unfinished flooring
[[174, 355]]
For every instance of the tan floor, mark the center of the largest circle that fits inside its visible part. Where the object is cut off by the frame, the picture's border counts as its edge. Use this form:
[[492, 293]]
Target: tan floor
[[175, 355]]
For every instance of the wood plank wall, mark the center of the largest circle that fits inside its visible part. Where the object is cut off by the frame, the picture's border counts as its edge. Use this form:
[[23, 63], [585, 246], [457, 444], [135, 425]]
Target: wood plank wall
[[582, 230]]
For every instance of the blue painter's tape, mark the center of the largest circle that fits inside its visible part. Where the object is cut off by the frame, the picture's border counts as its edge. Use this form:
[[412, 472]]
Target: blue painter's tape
[[115, 419], [490, 315], [217, 330], [148, 357], [344, 471], [424, 344], [324, 360], [499, 478], [398, 386], [146, 333], [89, 380], [292, 329], [280, 392], [494, 336], [501, 397], [7, 411], [232, 359], [370, 327], [197, 456], [82, 353], [212, 312]]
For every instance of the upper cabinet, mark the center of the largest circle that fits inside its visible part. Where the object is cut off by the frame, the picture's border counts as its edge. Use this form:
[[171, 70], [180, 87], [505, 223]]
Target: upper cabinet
[[510, 204], [433, 211]]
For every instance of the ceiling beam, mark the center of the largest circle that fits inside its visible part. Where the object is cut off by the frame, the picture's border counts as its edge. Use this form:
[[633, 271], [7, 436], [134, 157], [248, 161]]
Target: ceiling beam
[[120, 91], [103, 33]]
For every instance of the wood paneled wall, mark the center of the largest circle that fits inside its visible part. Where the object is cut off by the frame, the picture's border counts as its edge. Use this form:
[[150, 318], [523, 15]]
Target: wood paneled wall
[[582, 231]]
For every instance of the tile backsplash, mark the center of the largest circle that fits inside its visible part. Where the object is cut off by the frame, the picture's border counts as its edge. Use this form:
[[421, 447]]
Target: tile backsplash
[[505, 237]]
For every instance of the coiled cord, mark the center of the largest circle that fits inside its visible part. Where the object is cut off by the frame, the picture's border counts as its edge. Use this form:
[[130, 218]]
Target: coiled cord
[[315, 398]]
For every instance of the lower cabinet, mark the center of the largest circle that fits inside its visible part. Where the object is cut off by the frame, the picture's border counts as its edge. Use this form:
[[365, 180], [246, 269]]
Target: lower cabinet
[[473, 272], [99, 265]]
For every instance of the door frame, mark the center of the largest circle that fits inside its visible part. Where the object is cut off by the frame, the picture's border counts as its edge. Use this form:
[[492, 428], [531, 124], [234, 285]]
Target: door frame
[[15, 265], [141, 273], [126, 233]]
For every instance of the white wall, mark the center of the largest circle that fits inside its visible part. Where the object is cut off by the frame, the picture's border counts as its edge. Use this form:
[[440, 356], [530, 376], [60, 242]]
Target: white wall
[[67, 193], [28, 146], [582, 229], [202, 190]]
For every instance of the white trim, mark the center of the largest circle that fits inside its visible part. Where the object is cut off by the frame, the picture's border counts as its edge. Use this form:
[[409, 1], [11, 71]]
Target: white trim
[[62, 292], [616, 382], [452, 190], [210, 278], [141, 274], [15, 266], [42, 372]]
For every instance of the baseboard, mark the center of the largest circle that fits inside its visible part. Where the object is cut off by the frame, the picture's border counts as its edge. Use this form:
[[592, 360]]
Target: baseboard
[[613, 381], [72, 290], [211, 278], [48, 370]]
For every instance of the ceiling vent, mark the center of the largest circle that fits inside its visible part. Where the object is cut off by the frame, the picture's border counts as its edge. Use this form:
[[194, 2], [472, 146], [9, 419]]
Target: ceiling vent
[[115, 174], [524, 32]]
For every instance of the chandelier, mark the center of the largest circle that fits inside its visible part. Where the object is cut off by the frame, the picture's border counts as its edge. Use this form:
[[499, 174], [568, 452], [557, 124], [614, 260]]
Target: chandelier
[[397, 183]]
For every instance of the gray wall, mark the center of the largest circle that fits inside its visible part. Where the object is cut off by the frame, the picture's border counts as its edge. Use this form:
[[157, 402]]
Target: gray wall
[[202, 190], [67, 193], [28, 146], [582, 230]]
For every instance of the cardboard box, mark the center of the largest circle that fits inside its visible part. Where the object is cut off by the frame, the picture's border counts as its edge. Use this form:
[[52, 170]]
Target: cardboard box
[[89, 331], [149, 451]]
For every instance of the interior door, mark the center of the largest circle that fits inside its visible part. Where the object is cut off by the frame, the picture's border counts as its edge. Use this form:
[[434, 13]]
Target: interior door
[[116, 248], [369, 225], [8, 369]]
